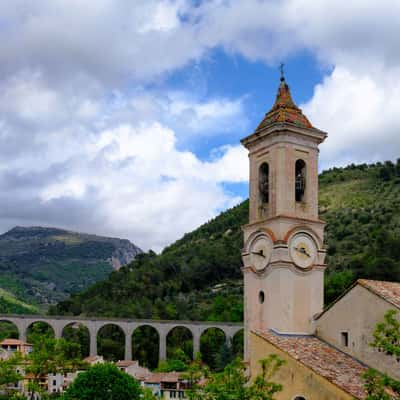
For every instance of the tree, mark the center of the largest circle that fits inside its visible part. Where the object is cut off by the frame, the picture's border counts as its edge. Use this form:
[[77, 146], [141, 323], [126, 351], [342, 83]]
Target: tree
[[233, 383], [8, 372], [387, 340], [171, 365], [104, 382], [50, 356]]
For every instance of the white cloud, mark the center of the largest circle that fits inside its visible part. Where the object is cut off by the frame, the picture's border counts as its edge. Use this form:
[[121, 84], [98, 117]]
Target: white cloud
[[360, 113], [109, 168], [85, 144]]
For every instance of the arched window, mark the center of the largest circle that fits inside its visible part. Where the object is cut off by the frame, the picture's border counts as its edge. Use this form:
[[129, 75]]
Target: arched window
[[300, 185], [299, 398], [261, 297], [264, 182]]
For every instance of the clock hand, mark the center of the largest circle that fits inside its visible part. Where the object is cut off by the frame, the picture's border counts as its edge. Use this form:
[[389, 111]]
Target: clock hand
[[258, 253], [302, 250]]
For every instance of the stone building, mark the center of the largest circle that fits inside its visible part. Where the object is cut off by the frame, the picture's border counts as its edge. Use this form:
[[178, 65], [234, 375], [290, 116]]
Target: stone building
[[326, 351]]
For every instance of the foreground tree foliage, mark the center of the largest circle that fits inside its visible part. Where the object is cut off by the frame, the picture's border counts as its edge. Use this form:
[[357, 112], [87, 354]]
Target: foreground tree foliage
[[386, 339], [8, 373], [50, 356], [104, 382], [233, 383]]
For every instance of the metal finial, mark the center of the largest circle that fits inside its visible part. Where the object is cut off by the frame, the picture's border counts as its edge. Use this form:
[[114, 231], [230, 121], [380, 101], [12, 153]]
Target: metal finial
[[282, 72]]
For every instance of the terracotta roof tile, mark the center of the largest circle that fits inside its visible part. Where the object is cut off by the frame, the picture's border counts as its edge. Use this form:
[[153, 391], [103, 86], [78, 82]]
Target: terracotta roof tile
[[142, 373], [126, 363], [157, 377], [390, 291], [14, 342], [339, 368], [284, 110]]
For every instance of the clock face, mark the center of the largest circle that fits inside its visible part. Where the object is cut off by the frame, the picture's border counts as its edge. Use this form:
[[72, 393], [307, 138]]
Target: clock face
[[303, 250], [260, 252]]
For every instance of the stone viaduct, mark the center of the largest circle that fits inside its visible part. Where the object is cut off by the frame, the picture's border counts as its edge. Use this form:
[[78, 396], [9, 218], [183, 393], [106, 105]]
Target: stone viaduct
[[163, 327]]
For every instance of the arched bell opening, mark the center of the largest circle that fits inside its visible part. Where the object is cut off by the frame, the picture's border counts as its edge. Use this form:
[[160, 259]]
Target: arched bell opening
[[263, 183], [300, 180]]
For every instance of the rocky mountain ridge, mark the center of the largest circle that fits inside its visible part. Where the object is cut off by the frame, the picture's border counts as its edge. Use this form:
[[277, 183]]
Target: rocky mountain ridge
[[42, 265]]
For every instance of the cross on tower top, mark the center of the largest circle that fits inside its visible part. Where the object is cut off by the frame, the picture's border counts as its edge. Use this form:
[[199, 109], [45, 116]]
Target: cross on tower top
[[282, 72]]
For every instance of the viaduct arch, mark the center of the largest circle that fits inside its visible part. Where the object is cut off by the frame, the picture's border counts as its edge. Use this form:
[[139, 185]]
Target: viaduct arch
[[128, 326]]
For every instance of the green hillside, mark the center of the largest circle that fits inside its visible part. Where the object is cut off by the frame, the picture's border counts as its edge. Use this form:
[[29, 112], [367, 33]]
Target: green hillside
[[11, 305], [42, 266], [199, 277]]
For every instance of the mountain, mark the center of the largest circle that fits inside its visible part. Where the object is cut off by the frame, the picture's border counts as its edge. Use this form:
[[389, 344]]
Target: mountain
[[199, 277], [42, 266]]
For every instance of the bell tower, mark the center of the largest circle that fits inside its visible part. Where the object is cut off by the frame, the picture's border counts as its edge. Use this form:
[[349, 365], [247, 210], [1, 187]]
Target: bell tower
[[283, 252]]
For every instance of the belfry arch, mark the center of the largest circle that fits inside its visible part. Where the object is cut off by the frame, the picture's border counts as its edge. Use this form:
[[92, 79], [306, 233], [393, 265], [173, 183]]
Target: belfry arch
[[263, 183], [300, 180]]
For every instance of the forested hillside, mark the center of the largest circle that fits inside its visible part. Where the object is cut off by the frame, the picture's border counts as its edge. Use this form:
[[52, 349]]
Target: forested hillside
[[199, 277], [42, 266]]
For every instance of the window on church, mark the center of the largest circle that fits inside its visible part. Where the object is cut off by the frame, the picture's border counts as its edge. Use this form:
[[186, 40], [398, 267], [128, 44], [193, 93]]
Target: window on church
[[344, 336], [299, 398], [261, 297], [300, 182], [264, 182]]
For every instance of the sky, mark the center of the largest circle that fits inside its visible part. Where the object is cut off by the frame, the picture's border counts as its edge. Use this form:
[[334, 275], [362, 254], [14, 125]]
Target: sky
[[124, 117]]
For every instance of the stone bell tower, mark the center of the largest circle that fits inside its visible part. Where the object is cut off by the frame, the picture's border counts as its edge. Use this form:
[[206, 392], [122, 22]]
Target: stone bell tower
[[283, 252]]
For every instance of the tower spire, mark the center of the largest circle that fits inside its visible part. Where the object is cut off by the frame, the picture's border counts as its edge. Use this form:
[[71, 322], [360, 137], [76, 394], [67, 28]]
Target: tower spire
[[284, 109]]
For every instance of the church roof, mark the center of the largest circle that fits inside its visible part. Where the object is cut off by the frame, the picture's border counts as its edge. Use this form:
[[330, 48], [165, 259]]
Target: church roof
[[284, 110], [389, 291], [337, 367]]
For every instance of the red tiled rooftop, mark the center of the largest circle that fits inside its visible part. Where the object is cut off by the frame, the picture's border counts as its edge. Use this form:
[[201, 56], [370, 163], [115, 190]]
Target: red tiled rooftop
[[390, 291], [91, 359], [337, 367], [126, 363], [284, 110], [14, 342], [142, 373], [157, 377]]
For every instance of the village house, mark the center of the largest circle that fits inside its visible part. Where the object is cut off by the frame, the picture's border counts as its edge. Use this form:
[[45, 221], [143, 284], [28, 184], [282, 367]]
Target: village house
[[10, 346], [167, 385]]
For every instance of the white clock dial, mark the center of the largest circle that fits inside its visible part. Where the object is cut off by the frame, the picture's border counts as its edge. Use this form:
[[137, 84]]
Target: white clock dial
[[260, 252], [303, 250]]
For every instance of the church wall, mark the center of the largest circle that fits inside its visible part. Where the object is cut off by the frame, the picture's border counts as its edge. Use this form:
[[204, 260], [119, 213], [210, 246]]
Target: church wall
[[357, 313], [297, 379]]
